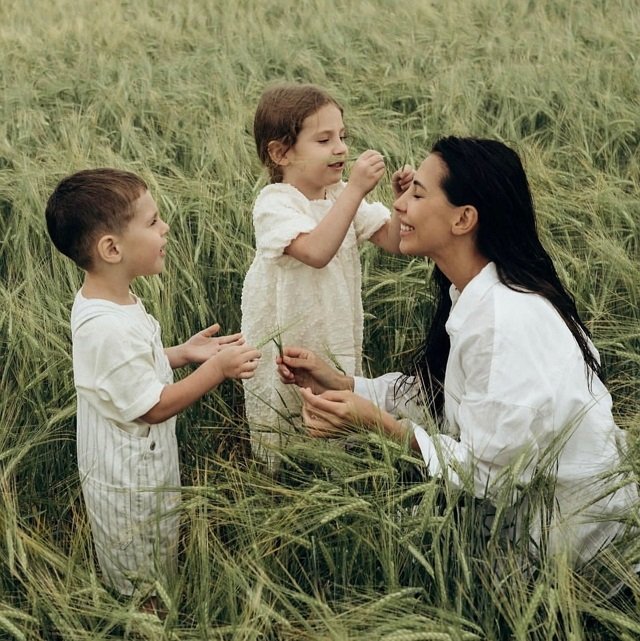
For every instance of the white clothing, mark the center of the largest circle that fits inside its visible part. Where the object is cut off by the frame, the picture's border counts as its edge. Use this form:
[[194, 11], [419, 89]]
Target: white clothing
[[128, 468], [318, 308], [515, 386]]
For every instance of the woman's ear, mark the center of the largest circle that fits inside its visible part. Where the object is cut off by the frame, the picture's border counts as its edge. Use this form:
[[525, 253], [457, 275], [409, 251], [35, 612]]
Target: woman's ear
[[466, 220], [278, 153], [108, 249]]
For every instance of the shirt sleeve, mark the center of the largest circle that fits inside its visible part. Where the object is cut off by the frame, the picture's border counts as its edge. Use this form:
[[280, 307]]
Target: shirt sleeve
[[278, 219], [493, 434], [398, 396], [503, 412], [369, 218], [393, 392], [124, 372]]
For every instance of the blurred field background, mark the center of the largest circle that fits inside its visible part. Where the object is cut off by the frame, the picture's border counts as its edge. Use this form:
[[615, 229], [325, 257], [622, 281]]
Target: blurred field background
[[350, 545]]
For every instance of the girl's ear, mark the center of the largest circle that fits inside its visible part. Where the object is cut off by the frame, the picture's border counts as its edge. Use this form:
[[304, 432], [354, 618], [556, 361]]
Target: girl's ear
[[278, 153], [108, 249], [466, 220]]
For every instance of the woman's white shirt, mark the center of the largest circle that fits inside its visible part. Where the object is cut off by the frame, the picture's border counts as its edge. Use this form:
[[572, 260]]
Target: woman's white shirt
[[517, 390]]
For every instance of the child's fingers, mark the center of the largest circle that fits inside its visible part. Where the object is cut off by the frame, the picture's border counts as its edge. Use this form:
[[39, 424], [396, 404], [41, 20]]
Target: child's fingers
[[369, 153], [251, 354], [232, 338], [371, 158], [211, 330], [248, 369]]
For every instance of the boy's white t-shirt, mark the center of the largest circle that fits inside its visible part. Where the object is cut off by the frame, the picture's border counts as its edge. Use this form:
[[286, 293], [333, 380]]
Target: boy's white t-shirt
[[320, 309], [128, 468]]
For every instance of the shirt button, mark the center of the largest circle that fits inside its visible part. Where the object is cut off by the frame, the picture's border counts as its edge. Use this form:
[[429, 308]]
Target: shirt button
[[152, 446]]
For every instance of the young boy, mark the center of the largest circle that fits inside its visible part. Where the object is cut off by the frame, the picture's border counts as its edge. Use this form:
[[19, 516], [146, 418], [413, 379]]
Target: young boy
[[107, 222]]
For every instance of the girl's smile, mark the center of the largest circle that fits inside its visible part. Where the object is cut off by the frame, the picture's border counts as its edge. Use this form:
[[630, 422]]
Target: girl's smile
[[317, 159]]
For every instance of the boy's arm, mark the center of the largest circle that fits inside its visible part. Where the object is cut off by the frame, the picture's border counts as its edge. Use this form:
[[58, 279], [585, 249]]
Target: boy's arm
[[319, 246], [238, 361], [201, 346]]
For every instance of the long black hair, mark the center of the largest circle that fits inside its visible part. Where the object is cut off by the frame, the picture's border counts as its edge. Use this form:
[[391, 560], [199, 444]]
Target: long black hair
[[489, 175]]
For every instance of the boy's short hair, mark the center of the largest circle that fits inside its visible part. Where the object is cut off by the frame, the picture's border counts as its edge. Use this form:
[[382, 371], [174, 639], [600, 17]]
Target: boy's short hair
[[88, 204]]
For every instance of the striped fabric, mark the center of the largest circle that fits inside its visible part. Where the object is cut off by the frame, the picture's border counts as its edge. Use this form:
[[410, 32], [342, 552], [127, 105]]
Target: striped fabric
[[128, 468]]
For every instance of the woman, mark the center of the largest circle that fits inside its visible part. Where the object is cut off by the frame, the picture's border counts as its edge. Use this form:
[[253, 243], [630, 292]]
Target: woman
[[507, 369]]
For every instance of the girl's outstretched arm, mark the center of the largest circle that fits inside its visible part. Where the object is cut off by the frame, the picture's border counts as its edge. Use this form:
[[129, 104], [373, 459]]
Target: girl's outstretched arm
[[388, 236], [319, 246]]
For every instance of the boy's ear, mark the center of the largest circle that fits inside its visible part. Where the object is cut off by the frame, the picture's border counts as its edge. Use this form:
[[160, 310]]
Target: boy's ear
[[466, 220], [108, 249], [278, 153]]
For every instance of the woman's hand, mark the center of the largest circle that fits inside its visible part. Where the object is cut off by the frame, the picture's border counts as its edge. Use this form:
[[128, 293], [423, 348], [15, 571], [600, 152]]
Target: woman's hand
[[333, 413], [303, 368]]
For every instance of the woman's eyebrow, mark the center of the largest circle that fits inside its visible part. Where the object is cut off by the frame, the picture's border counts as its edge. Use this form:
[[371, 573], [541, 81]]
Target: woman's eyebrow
[[417, 183], [326, 132]]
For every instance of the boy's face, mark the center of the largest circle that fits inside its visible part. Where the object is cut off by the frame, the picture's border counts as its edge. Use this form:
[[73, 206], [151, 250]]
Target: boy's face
[[143, 242]]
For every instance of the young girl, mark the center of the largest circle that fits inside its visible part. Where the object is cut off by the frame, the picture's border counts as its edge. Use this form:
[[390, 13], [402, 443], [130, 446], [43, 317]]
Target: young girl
[[303, 286]]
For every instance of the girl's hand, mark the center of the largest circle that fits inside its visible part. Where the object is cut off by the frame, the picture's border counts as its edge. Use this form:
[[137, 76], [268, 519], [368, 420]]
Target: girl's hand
[[203, 345], [332, 413], [367, 171], [402, 179], [237, 361], [301, 367]]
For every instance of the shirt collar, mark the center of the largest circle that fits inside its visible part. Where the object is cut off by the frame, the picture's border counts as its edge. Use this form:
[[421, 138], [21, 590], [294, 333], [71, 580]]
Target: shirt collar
[[464, 302]]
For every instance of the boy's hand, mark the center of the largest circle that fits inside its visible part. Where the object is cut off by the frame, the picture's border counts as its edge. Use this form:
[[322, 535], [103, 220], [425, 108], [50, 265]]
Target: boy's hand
[[402, 180], [237, 361], [203, 345], [367, 171]]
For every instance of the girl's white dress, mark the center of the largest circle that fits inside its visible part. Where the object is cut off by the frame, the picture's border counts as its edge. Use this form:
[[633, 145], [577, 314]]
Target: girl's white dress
[[319, 309]]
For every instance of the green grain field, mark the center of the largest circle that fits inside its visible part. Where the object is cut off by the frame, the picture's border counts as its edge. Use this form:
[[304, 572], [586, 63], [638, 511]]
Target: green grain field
[[344, 544]]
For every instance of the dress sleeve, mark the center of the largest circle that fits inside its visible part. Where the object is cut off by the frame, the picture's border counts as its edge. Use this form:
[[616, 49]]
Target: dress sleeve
[[279, 217], [369, 218], [125, 373]]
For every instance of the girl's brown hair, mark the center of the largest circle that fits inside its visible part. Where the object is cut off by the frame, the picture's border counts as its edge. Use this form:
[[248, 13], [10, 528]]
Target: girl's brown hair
[[279, 117]]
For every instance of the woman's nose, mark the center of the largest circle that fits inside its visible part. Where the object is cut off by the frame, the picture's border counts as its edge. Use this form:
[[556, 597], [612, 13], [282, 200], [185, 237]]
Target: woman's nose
[[400, 204]]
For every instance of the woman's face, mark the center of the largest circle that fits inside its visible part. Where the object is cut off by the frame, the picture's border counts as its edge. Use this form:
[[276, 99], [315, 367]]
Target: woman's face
[[425, 213]]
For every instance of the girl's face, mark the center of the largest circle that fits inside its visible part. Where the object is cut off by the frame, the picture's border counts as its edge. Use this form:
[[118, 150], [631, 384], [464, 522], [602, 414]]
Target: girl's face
[[425, 213], [318, 157]]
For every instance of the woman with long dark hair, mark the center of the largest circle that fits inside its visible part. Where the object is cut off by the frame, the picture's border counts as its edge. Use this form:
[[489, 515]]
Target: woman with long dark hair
[[508, 369]]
